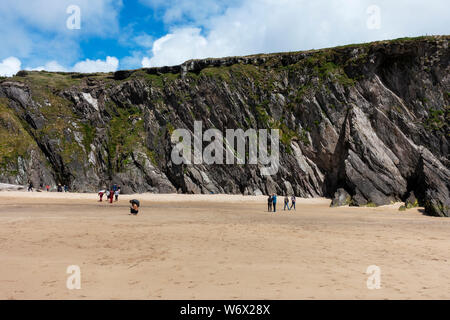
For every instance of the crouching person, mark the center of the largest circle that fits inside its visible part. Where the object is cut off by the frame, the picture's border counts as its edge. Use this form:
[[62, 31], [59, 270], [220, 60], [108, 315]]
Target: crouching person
[[134, 210]]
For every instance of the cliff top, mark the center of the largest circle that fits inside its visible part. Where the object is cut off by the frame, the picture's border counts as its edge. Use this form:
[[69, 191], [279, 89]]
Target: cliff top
[[196, 65]]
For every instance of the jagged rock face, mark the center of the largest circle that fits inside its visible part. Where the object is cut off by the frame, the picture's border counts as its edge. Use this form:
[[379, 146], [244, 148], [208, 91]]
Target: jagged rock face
[[371, 120]]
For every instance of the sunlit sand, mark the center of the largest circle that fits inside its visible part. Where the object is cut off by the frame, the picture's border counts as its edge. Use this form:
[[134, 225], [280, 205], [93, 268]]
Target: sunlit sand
[[216, 247]]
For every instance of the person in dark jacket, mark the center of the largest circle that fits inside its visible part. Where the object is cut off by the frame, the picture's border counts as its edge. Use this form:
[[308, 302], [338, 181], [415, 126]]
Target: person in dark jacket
[[134, 210], [274, 201], [269, 203]]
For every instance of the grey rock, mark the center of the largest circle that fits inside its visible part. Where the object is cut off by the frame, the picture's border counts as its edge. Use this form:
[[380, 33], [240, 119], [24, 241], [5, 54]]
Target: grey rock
[[341, 198], [411, 201]]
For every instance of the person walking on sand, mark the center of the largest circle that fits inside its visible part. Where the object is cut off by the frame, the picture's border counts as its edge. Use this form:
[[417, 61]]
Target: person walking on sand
[[274, 201], [100, 194], [293, 202], [269, 203], [30, 186], [286, 203], [47, 187], [116, 194], [111, 196]]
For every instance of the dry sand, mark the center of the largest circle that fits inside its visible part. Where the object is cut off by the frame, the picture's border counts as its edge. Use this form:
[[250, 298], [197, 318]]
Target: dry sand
[[216, 247]]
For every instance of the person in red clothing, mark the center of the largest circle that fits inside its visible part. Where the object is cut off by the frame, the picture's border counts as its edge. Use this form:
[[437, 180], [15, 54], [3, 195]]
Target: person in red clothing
[[111, 196], [100, 194]]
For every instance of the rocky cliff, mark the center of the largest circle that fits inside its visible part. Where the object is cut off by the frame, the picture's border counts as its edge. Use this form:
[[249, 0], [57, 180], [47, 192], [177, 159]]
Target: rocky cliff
[[366, 124]]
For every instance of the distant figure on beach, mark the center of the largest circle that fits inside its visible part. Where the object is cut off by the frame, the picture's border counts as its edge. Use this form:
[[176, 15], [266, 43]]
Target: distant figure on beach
[[30, 186], [111, 196], [293, 202], [66, 188], [60, 189], [286, 203], [107, 195], [47, 187], [116, 194], [100, 194], [269, 203], [274, 201], [134, 210]]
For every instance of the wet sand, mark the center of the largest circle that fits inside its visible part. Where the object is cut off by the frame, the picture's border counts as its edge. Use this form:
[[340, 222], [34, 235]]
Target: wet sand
[[217, 247]]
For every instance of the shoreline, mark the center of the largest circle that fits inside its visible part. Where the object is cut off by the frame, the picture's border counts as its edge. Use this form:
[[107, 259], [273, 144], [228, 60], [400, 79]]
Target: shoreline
[[175, 197]]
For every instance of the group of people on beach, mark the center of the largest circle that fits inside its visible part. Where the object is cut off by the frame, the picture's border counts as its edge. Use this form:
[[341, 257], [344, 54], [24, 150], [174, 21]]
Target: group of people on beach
[[111, 194], [272, 203], [59, 187]]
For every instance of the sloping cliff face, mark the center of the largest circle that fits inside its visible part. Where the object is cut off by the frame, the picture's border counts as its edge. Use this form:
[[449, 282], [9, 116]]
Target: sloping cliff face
[[370, 121]]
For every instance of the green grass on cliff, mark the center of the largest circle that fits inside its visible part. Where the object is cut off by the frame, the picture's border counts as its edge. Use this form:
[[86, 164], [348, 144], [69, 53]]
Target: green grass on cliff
[[126, 133], [54, 80], [437, 120], [15, 142]]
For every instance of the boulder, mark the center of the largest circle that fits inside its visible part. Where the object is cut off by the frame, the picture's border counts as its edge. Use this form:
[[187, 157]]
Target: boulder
[[341, 198]]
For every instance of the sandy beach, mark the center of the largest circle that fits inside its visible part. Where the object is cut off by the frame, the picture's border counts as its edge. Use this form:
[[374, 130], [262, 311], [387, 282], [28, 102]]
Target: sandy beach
[[216, 247]]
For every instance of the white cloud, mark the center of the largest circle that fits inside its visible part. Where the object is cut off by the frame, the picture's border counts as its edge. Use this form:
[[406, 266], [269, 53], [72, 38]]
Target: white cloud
[[178, 47], [36, 31], [9, 66], [98, 17], [144, 40], [12, 65], [109, 65], [52, 66], [260, 26], [146, 62]]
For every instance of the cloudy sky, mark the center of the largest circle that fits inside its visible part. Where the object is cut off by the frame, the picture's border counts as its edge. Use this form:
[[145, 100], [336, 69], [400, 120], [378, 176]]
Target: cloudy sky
[[107, 35]]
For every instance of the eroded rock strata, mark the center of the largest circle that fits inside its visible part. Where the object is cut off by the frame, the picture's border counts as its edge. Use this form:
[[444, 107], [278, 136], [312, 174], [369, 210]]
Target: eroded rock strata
[[367, 124]]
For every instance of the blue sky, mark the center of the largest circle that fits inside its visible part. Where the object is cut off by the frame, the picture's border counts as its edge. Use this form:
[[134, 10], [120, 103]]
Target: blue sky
[[130, 34]]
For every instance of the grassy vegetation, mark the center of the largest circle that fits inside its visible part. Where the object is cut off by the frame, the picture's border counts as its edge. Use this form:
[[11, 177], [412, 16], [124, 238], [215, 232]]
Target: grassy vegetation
[[222, 73], [170, 128], [126, 134], [14, 139], [412, 205], [88, 136], [305, 89], [304, 136], [156, 80], [322, 64], [43, 79], [437, 119]]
